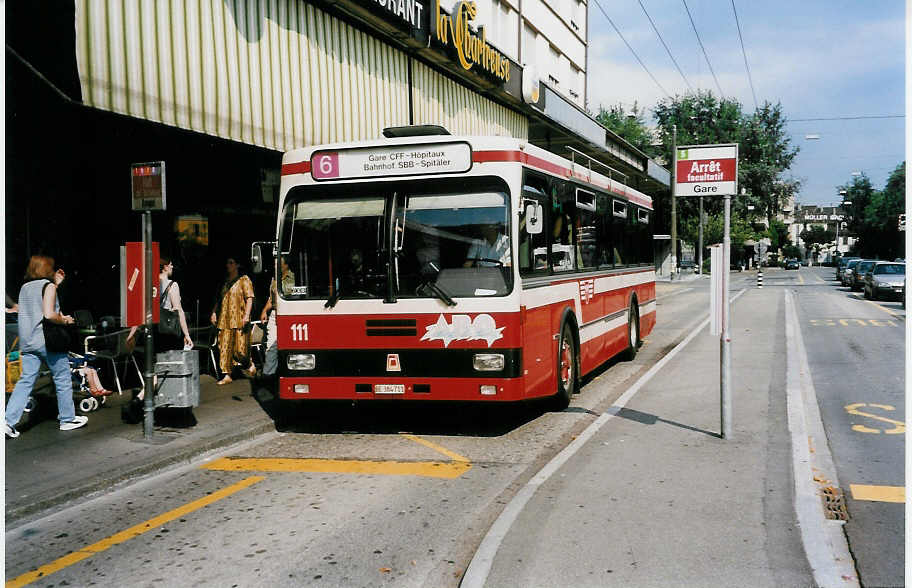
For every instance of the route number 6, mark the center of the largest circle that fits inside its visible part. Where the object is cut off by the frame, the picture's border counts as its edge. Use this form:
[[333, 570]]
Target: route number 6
[[299, 332], [326, 165]]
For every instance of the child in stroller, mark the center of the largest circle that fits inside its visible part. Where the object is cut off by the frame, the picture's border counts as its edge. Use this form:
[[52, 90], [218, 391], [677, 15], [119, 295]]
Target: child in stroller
[[88, 392]]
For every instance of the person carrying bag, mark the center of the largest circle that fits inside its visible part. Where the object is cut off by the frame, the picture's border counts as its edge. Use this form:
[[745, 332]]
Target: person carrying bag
[[39, 316], [172, 322]]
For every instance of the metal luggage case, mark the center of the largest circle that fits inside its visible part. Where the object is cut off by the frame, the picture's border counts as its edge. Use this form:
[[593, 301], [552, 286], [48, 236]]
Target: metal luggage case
[[178, 379]]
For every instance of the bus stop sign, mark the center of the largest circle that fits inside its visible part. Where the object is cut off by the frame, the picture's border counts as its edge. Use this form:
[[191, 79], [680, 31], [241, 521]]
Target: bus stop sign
[[147, 181], [706, 170]]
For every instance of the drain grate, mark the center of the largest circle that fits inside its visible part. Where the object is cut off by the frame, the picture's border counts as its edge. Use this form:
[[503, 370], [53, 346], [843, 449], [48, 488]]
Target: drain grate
[[834, 506]]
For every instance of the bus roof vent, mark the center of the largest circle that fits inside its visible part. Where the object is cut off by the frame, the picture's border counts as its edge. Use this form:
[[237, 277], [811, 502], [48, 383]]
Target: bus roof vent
[[414, 131]]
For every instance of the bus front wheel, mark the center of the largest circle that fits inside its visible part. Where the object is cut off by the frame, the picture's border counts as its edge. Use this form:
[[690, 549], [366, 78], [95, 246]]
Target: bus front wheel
[[566, 369]]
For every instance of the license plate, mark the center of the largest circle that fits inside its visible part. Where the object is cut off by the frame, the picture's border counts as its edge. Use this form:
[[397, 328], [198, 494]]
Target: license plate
[[389, 388]]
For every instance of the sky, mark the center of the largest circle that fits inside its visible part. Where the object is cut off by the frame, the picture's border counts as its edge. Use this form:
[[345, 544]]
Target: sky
[[819, 59]]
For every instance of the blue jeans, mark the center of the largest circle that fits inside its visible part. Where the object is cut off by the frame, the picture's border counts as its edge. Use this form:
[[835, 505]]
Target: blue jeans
[[272, 349], [63, 382]]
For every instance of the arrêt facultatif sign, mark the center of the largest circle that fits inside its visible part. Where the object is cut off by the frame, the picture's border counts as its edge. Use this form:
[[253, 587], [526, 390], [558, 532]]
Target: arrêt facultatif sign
[[706, 170]]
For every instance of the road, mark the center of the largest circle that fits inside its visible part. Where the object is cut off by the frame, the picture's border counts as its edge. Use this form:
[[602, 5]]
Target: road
[[403, 496], [856, 352], [350, 497]]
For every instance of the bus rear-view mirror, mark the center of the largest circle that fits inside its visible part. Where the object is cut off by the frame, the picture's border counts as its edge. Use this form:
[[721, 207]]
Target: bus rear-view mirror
[[534, 218]]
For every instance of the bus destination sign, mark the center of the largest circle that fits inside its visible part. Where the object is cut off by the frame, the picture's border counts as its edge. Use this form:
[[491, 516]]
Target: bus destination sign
[[706, 170], [400, 160]]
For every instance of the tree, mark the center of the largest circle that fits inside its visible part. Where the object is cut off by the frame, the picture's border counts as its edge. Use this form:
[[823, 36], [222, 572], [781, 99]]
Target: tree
[[764, 154], [740, 231], [778, 235], [880, 236], [630, 126], [817, 236], [859, 192], [700, 118]]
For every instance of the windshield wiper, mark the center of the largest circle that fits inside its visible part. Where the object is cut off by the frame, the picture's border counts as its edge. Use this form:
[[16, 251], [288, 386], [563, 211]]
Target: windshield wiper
[[331, 302], [440, 293]]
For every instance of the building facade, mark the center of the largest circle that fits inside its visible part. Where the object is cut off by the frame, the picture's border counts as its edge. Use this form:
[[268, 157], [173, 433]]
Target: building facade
[[829, 218], [218, 89]]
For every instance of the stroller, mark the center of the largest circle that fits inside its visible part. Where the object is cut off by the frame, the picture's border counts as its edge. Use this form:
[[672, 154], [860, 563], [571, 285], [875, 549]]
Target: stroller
[[88, 394]]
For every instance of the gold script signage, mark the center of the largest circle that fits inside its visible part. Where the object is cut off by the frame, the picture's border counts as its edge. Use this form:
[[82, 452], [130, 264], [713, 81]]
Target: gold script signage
[[454, 31]]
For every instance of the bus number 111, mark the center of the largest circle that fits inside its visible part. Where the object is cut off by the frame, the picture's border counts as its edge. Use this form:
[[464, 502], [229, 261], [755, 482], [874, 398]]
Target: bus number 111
[[299, 332]]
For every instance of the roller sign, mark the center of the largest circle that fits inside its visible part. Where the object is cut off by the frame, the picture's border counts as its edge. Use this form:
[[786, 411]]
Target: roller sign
[[706, 170]]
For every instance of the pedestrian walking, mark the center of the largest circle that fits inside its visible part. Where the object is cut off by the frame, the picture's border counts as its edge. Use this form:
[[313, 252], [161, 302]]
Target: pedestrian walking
[[171, 300], [271, 360], [231, 316], [38, 300]]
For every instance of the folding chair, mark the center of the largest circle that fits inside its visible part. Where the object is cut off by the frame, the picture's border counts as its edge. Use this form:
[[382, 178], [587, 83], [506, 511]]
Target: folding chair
[[205, 339], [114, 348]]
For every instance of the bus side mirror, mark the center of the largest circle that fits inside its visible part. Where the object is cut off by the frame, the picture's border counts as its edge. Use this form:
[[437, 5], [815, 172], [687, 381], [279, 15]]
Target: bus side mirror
[[258, 252], [534, 218]]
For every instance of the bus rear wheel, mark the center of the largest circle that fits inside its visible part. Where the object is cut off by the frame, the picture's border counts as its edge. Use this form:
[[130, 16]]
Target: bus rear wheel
[[566, 369], [633, 333]]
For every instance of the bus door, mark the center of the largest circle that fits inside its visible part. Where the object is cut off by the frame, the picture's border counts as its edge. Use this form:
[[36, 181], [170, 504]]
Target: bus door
[[532, 232]]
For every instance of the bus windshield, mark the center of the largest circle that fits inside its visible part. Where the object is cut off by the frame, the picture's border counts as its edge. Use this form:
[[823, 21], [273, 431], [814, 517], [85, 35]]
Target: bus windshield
[[414, 240]]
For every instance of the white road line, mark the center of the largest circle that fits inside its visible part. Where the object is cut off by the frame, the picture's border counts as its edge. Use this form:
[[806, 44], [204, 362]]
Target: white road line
[[675, 293], [824, 541], [477, 573]]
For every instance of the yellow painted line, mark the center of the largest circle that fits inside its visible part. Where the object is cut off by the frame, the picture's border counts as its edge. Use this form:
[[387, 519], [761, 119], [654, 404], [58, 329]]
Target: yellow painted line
[[878, 493], [800, 277], [430, 469], [135, 531], [899, 427], [883, 308], [435, 447]]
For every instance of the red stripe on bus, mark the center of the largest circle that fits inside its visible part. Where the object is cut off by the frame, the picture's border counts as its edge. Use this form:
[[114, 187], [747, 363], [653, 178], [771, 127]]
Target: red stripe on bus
[[545, 165], [301, 167]]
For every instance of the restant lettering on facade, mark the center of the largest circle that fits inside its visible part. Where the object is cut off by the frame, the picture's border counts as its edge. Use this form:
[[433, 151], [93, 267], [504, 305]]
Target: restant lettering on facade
[[472, 48]]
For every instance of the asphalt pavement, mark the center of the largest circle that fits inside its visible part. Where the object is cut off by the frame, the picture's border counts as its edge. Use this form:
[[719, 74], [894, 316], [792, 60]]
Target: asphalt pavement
[[654, 497]]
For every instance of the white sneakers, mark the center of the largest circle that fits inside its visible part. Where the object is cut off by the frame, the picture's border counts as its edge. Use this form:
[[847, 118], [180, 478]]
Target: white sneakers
[[77, 422], [11, 432]]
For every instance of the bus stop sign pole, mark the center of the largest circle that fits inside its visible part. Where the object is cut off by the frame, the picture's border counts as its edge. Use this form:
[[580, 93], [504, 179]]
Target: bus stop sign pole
[[712, 170]]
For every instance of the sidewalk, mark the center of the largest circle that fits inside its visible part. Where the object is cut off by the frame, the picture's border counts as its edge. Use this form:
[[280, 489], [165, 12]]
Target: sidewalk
[[655, 497], [46, 467]]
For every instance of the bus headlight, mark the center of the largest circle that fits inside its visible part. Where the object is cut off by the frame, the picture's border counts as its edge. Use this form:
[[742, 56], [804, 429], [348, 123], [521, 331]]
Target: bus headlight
[[301, 361], [488, 362]]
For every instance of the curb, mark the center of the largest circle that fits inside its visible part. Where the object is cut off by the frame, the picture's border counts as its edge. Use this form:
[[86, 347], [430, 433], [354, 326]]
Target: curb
[[160, 462]]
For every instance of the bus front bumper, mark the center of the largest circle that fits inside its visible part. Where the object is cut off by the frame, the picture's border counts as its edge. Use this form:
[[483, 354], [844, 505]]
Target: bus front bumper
[[380, 388]]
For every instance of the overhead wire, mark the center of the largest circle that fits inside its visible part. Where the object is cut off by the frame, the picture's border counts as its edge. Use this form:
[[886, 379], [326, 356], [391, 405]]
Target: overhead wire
[[700, 41], [643, 65], [874, 116], [665, 45], [744, 53]]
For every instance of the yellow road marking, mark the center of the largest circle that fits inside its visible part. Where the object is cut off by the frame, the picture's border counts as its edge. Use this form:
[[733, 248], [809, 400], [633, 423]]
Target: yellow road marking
[[432, 469], [899, 426], [800, 278], [123, 536], [883, 308], [878, 493], [435, 447]]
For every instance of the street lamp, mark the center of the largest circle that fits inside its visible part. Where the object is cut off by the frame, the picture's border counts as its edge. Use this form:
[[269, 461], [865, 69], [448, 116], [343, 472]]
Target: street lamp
[[839, 221]]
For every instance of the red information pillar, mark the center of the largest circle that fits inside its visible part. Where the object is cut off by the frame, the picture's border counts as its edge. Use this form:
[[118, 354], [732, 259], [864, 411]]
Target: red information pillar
[[132, 284]]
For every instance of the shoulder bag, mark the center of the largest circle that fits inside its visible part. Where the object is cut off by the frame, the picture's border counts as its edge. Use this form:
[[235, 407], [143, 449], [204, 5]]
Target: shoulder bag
[[57, 337], [168, 320]]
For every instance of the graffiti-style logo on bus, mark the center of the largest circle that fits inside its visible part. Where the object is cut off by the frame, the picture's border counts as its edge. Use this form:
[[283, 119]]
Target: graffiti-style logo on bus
[[463, 328]]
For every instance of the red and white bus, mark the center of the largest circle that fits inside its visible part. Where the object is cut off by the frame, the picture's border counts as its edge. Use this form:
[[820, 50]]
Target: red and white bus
[[436, 267]]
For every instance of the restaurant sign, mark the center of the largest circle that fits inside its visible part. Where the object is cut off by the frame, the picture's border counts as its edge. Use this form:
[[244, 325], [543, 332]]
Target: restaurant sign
[[454, 31], [400, 160]]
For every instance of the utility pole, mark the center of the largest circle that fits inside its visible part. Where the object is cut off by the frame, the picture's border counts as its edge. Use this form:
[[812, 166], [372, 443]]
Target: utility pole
[[674, 206], [700, 252]]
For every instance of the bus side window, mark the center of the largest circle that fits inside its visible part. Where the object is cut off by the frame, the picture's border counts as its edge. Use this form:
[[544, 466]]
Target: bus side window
[[564, 233]]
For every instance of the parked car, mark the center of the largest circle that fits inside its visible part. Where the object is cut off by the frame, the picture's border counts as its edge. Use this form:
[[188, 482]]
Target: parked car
[[841, 265], [848, 271], [858, 276], [792, 264], [887, 279]]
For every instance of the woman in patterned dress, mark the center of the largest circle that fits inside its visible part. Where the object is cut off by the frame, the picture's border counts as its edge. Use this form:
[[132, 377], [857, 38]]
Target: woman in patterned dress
[[231, 315]]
